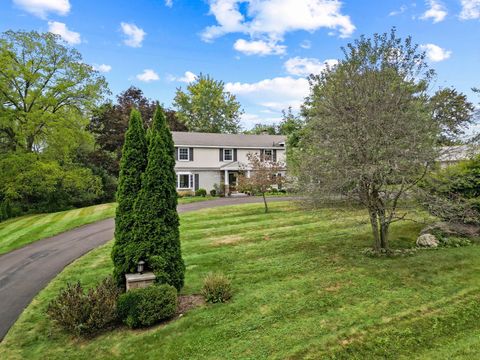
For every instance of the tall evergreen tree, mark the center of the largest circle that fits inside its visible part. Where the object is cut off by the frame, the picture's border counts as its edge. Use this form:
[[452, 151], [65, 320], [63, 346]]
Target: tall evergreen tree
[[132, 166], [157, 237]]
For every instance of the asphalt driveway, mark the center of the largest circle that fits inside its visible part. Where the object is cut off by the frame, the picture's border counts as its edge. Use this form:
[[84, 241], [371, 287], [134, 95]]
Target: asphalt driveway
[[25, 271]]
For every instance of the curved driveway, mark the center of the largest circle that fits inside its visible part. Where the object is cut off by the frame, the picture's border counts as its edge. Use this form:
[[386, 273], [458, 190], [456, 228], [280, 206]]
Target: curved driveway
[[25, 271]]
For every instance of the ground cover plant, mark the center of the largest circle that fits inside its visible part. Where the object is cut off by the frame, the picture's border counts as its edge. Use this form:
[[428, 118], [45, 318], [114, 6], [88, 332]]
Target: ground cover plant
[[302, 289]]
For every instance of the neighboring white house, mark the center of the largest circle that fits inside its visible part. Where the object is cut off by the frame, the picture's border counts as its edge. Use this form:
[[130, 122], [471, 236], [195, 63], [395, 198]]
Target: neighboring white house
[[204, 160], [453, 154]]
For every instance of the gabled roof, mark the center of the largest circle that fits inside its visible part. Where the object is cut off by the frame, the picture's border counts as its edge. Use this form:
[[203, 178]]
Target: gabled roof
[[227, 140]]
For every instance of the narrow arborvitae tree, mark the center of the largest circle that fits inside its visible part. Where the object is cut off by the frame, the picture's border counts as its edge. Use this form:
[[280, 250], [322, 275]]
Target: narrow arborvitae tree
[[157, 237], [132, 165]]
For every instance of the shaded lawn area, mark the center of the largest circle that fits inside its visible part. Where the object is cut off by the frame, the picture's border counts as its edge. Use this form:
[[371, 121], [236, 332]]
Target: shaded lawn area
[[18, 232], [302, 289]]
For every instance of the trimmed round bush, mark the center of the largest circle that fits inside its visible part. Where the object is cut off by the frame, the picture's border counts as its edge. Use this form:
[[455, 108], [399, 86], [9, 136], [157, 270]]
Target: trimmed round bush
[[213, 192], [216, 288], [147, 306], [201, 192]]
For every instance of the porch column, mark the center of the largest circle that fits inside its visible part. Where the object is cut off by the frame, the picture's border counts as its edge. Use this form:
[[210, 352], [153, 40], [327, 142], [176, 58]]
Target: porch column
[[248, 174], [227, 184]]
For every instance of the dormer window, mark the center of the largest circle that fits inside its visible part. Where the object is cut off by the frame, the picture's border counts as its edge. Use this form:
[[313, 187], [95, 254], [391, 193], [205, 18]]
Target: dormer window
[[227, 154]]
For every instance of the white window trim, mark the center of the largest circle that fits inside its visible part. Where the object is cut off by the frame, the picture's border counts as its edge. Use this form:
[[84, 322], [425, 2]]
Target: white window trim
[[224, 158], [188, 154], [191, 181]]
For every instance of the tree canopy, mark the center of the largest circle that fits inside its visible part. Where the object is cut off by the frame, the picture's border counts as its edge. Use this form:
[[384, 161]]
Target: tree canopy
[[369, 134], [205, 106], [45, 89]]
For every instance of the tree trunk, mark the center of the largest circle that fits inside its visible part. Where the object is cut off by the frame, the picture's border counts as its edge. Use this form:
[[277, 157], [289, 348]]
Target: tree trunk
[[265, 202], [383, 230], [376, 236]]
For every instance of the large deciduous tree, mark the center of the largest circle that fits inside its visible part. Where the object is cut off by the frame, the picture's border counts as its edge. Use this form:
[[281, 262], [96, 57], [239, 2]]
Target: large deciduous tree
[[132, 166], [157, 237], [453, 113], [110, 122], [205, 106], [44, 86], [369, 134]]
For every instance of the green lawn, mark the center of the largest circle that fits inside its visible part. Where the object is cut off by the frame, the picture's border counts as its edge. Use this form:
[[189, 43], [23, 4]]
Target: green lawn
[[17, 232], [303, 290]]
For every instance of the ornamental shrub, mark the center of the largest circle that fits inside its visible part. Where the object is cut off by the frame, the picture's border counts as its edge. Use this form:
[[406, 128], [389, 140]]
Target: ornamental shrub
[[147, 306], [453, 193], [216, 288], [132, 165], [213, 192], [85, 313], [157, 237], [201, 192]]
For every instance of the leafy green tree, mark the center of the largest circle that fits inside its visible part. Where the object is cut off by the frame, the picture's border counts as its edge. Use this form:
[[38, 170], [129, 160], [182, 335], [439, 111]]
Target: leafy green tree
[[157, 237], [454, 114], [369, 134], [260, 129], [43, 85], [132, 166], [31, 183], [109, 123], [207, 107]]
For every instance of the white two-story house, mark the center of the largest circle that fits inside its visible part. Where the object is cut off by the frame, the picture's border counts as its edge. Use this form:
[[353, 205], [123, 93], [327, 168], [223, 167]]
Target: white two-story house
[[204, 160]]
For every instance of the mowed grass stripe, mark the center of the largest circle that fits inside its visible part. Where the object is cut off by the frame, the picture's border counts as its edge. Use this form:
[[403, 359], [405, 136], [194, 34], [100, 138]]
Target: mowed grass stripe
[[16, 233], [302, 289]]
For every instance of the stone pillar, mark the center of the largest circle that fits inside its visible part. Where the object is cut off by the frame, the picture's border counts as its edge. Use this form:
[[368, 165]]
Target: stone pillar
[[135, 281]]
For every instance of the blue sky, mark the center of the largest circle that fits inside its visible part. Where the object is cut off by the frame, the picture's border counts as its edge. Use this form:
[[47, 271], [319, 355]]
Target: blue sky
[[261, 49]]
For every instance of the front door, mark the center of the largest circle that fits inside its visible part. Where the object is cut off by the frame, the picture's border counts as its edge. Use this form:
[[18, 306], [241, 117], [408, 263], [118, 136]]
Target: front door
[[232, 181]]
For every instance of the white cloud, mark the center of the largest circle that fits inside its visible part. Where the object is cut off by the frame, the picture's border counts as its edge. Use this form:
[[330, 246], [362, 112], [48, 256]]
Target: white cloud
[[41, 8], [275, 94], [306, 44], [400, 11], [306, 66], [259, 47], [103, 68], [61, 29], [250, 119], [435, 53], [187, 77], [271, 19], [470, 10], [134, 34], [148, 75], [169, 3], [437, 11]]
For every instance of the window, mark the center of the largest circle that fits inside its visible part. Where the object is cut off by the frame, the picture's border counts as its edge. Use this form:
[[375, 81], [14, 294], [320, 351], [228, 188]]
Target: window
[[185, 181], [184, 154], [268, 155], [227, 154]]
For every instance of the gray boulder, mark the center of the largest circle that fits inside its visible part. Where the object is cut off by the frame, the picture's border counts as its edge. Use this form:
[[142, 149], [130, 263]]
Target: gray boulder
[[427, 240]]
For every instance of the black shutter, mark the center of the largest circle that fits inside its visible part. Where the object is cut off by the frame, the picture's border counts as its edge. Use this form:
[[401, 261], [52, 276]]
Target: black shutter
[[234, 154], [197, 180], [191, 154], [176, 153], [221, 154], [274, 155]]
